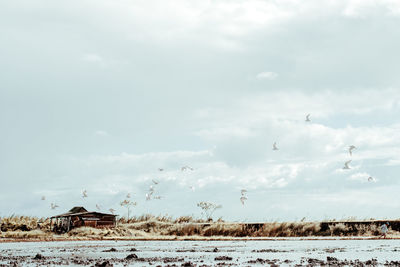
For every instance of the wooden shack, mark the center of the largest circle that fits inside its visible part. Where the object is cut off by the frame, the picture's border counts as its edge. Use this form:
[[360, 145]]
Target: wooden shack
[[79, 216]]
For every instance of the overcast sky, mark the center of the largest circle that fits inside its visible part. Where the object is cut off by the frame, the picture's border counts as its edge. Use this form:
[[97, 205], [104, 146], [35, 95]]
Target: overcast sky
[[98, 95]]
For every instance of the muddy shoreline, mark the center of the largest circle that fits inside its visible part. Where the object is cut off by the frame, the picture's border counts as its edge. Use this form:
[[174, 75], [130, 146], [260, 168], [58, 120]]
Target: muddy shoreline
[[293, 252], [14, 240]]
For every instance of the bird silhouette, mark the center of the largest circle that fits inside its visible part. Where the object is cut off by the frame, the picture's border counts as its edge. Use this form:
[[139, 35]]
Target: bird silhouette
[[351, 148], [185, 168], [346, 165], [274, 147], [242, 199], [151, 189]]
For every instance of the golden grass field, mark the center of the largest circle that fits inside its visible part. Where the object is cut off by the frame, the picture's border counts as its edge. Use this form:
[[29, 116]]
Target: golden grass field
[[150, 227]]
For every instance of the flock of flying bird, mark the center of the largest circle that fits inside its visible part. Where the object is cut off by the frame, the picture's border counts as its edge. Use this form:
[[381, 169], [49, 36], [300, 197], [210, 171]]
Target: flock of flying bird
[[149, 195], [151, 192], [346, 164]]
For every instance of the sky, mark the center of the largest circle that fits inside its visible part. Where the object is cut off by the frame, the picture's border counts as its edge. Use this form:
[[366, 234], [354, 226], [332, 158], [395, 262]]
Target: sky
[[98, 95]]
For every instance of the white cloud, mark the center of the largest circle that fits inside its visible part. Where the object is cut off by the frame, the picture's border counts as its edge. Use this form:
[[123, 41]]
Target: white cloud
[[153, 158], [139, 169], [92, 58], [223, 24], [101, 133], [267, 75], [284, 112], [360, 176], [229, 131], [393, 162], [95, 59], [349, 104], [281, 108], [311, 155], [364, 8], [220, 23], [310, 152]]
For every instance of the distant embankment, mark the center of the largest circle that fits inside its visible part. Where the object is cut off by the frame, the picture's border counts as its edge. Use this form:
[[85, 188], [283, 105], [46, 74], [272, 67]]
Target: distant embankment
[[328, 228], [161, 228], [354, 226], [269, 229]]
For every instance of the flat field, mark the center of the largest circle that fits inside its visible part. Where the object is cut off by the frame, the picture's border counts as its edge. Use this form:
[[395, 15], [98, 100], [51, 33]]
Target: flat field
[[288, 252]]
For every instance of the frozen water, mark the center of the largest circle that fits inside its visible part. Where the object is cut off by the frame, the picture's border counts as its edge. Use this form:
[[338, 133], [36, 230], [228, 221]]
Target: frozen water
[[284, 252]]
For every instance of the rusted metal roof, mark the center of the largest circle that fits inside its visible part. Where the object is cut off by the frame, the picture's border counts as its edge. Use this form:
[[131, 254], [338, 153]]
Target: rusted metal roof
[[69, 214], [77, 209]]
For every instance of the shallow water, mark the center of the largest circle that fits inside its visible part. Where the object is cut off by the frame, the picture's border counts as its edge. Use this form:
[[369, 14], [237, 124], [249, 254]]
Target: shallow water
[[280, 252]]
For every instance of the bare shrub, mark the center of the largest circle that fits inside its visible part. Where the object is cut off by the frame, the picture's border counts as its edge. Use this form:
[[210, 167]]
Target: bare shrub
[[208, 208]]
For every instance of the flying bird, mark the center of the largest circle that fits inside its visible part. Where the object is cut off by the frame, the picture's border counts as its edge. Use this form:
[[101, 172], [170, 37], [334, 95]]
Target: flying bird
[[98, 207], [155, 181], [151, 189], [43, 198], [242, 199], [125, 202], [351, 149], [371, 179], [112, 210], [274, 147], [160, 169], [53, 206], [184, 168], [84, 193], [128, 195], [308, 118], [346, 165]]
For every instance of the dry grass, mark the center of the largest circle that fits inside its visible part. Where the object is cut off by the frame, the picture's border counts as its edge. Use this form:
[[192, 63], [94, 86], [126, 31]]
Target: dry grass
[[25, 227], [289, 229], [33, 234], [23, 223], [341, 229], [166, 227], [160, 218]]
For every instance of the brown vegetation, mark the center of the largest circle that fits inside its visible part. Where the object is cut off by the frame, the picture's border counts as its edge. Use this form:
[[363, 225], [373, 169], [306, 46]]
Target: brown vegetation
[[24, 227], [165, 227]]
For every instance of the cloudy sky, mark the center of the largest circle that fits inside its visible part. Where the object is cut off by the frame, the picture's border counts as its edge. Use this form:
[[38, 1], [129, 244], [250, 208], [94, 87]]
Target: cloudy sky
[[99, 94]]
